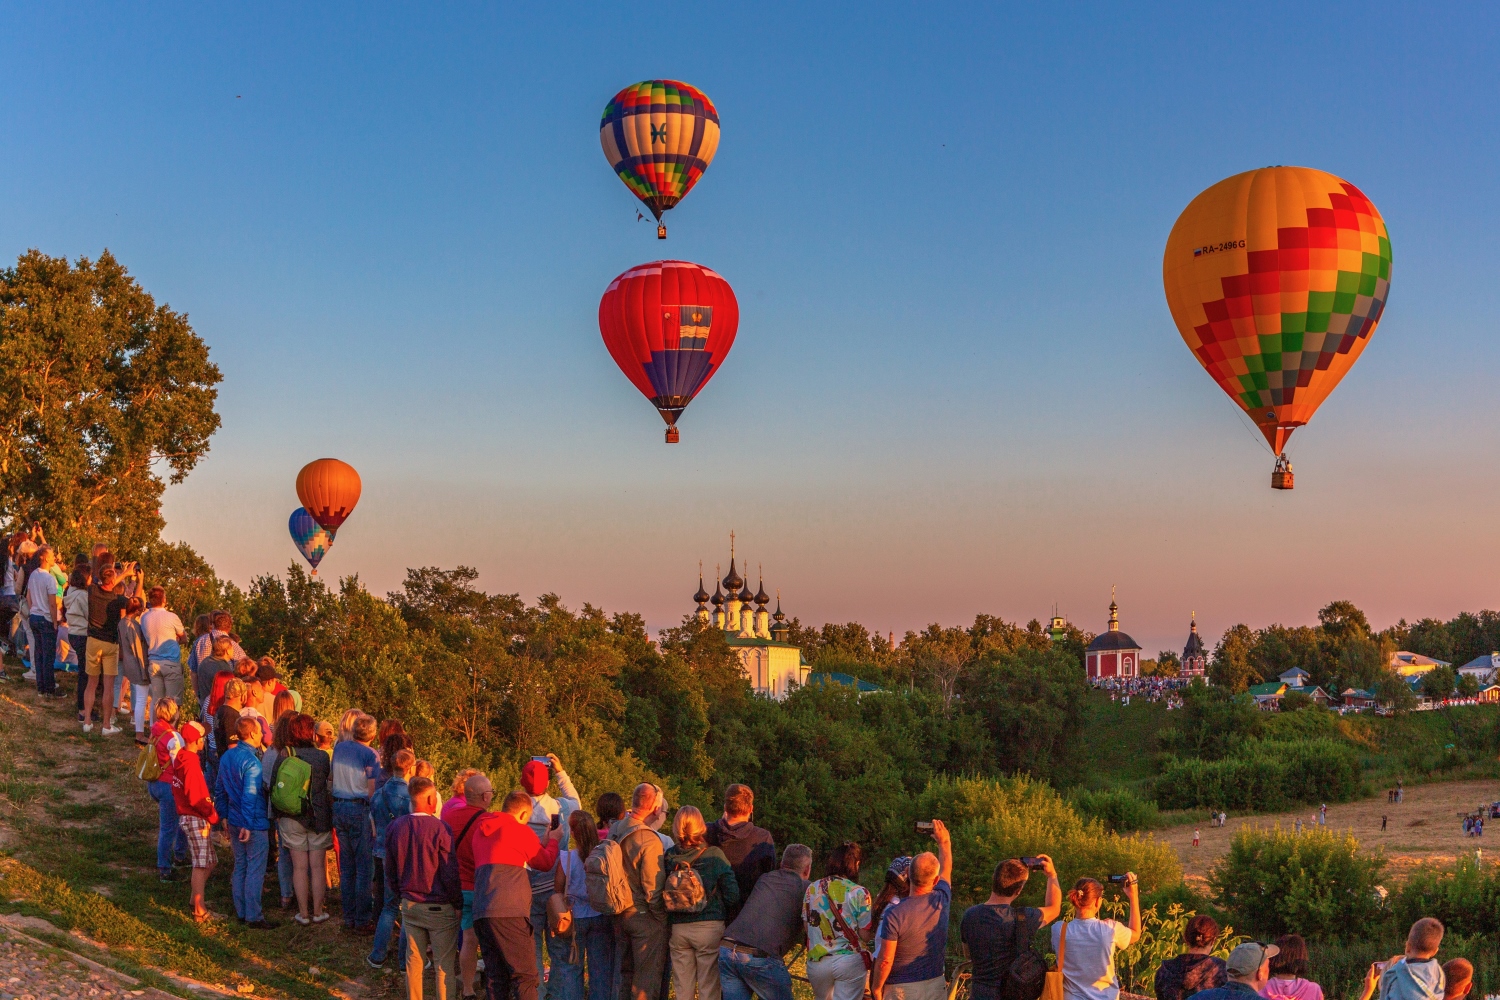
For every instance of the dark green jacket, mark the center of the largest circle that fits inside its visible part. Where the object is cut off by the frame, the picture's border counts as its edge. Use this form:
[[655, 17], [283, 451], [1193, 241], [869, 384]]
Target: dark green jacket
[[719, 885]]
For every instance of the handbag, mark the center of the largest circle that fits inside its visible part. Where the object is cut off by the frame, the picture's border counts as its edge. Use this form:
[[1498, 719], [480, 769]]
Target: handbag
[[559, 915], [1052, 989]]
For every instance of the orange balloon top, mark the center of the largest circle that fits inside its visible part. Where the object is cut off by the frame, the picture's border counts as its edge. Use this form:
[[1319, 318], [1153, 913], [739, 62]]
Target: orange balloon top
[[329, 489], [1276, 279]]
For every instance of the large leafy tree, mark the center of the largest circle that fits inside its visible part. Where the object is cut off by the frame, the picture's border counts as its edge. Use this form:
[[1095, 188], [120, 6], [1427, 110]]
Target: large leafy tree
[[101, 391]]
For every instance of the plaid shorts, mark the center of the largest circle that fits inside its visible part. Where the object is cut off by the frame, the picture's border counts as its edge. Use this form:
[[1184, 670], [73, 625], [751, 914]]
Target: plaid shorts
[[195, 828]]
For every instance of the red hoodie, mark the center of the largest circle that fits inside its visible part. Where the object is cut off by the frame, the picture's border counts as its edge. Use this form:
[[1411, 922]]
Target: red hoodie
[[189, 790]]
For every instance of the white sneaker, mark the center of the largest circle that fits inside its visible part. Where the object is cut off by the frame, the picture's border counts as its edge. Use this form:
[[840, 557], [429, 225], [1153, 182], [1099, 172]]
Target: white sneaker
[[29, 675], [88, 727], [109, 731]]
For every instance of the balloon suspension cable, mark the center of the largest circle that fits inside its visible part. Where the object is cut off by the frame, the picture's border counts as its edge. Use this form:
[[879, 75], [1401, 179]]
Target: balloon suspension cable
[[1255, 433]]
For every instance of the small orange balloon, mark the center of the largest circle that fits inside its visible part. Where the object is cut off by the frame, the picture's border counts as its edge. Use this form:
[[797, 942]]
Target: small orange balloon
[[329, 489]]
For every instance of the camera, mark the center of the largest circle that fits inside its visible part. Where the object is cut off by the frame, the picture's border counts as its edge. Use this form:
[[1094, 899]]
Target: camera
[[547, 762], [1034, 864], [924, 826], [1121, 879]]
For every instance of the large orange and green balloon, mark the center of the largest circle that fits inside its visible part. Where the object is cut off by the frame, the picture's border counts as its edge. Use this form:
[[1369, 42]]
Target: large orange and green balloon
[[1276, 278], [660, 136], [329, 489]]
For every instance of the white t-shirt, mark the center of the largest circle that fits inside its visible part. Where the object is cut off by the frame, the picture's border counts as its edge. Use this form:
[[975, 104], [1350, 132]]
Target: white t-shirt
[[1089, 964], [160, 628], [41, 590]]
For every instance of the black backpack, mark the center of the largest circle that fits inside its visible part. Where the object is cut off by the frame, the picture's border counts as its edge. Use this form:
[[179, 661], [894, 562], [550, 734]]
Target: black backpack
[[1028, 972]]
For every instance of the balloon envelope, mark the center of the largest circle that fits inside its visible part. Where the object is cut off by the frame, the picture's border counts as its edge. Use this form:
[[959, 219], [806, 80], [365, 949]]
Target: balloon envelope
[[311, 538], [659, 135], [1276, 279], [329, 489], [669, 325]]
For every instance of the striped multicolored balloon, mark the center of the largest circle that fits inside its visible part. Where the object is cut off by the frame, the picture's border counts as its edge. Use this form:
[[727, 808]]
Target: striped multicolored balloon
[[311, 538], [659, 136]]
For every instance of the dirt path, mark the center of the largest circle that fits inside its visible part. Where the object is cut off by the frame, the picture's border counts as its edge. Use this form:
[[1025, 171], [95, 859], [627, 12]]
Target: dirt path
[[1424, 827]]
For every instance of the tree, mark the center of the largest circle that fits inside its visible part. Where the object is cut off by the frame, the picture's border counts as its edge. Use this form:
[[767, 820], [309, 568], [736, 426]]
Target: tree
[[98, 384], [1166, 664], [939, 655], [1231, 668], [1438, 683], [1468, 687], [1392, 691]]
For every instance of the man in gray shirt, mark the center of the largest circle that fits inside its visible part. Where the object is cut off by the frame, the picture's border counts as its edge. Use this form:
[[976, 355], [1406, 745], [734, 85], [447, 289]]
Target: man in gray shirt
[[751, 956]]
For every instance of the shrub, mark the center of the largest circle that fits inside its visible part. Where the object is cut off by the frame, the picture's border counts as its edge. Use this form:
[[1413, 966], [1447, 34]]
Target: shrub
[[1119, 809], [1316, 883], [1265, 776], [994, 819], [1464, 896]]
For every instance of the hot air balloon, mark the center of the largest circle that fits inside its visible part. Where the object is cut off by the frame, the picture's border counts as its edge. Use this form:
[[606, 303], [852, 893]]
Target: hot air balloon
[[329, 489], [659, 135], [312, 539], [1276, 278], [668, 325]]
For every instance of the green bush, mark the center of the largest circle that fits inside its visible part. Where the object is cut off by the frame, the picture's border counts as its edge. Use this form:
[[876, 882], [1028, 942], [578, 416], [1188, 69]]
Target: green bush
[[1264, 776], [1464, 896], [1119, 809], [994, 819], [1316, 883]]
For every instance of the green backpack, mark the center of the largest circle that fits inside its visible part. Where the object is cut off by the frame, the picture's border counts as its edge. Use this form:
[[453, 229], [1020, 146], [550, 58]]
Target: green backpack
[[289, 789]]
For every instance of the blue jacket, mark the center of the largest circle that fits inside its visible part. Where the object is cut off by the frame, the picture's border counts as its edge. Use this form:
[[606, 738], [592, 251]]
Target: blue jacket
[[239, 785], [391, 799]]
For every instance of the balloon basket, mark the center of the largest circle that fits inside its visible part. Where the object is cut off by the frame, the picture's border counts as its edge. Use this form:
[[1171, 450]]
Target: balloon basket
[[1282, 480], [661, 230], [672, 435]]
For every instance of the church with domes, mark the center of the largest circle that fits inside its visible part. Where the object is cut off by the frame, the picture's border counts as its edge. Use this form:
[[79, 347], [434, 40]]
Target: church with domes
[[1194, 654], [1113, 653], [758, 637]]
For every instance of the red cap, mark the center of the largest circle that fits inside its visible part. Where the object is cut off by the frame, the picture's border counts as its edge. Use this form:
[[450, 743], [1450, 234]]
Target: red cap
[[535, 777], [192, 732]]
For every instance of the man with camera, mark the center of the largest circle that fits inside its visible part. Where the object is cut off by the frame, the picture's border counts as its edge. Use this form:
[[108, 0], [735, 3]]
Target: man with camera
[[913, 936], [996, 931]]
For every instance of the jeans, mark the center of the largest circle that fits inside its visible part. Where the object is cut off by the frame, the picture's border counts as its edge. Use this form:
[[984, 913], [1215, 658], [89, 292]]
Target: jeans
[[170, 840], [139, 693], [284, 870], [351, 818], [80, 644], [248, 879], [593, 940], [43, 653], [539, 938], [743, 976], [390, 911]]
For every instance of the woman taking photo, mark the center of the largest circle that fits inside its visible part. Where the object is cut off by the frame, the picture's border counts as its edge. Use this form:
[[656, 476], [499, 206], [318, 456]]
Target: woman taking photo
[[694, 944], [1086, 945], [837, 912], [308, 836], [593, 938]]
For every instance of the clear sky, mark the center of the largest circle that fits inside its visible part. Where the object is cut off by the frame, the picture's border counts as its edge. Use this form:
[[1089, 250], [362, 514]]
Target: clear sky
[[956, 386]]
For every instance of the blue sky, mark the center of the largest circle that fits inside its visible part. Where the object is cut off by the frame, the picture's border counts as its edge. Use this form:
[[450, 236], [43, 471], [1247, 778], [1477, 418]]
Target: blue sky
[[956, 386]]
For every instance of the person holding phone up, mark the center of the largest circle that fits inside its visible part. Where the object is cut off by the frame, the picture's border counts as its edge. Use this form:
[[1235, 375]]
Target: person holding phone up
[[914, 935], [996, 931], [1086, 945]]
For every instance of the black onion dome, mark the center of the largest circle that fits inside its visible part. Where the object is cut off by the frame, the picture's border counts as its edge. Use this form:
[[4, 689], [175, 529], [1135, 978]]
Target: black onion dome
[[732, 582], [745, 596], [761, 597], [778, 615], [701, 597], [718, 598], [1112, 640]]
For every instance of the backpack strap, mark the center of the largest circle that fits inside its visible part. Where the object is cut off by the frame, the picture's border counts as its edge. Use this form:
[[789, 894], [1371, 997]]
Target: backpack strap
[[460, 838]]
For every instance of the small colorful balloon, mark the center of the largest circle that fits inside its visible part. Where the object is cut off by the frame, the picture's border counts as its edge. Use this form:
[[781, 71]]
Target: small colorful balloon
[[659, 136], [311, 538]]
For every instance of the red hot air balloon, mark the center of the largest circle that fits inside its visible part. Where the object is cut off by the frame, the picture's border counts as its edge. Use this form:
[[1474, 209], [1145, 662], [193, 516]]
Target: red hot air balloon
[[669, 325]]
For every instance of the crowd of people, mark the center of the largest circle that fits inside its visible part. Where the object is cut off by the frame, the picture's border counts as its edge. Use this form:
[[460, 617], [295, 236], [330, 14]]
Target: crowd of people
[[1154, 689], [541, 894]]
